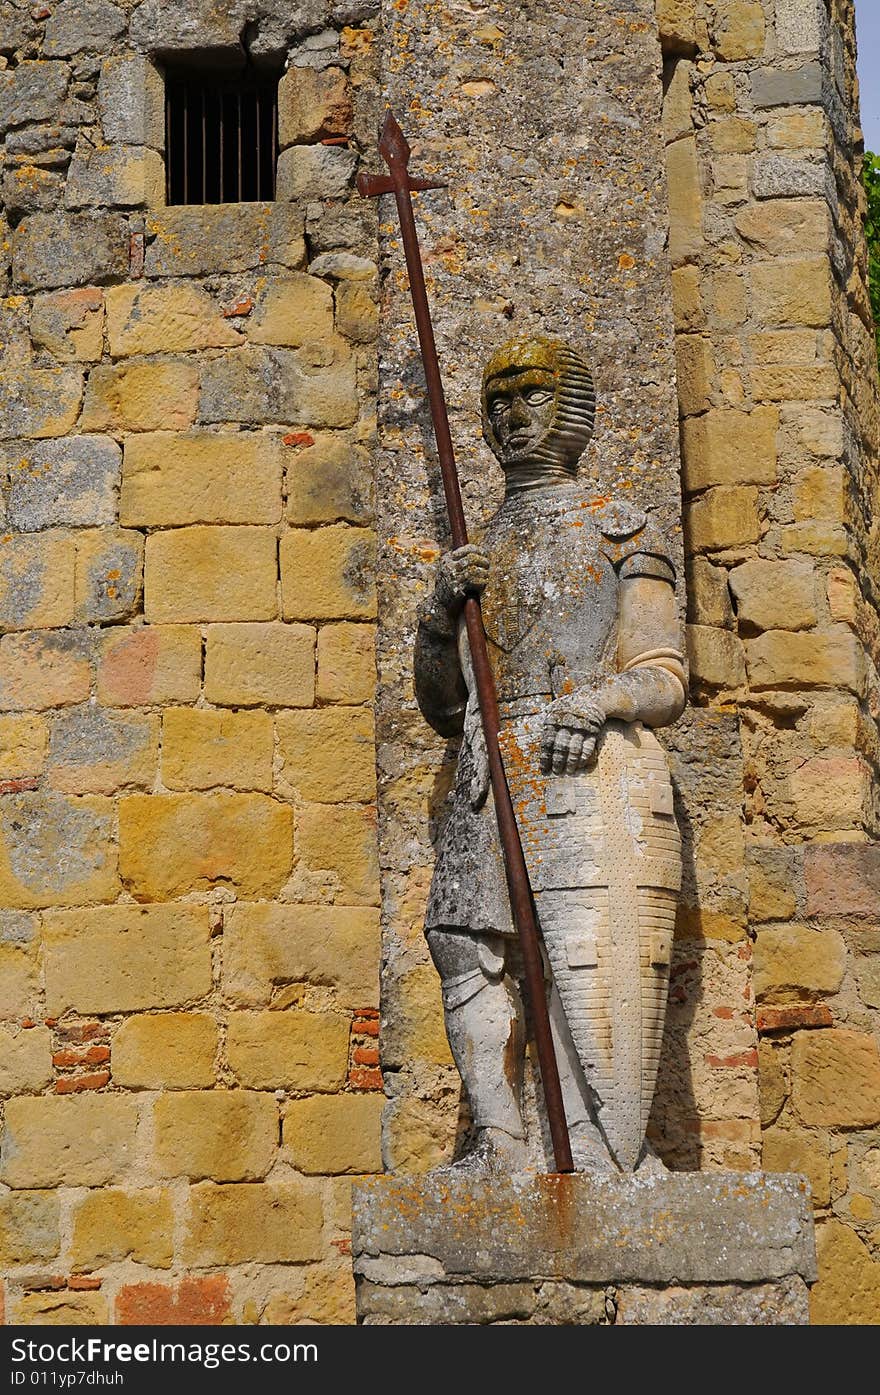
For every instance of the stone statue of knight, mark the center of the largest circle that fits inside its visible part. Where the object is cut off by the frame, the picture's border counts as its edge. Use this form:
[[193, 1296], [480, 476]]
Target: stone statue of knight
[[581, 621]]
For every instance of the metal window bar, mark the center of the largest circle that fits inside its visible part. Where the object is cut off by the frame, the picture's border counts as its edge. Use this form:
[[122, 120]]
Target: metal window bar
[[221, 137]]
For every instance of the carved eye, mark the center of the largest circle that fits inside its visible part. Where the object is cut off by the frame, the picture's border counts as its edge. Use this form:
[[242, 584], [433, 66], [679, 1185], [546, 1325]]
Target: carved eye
[[536, 397], [499, 406]]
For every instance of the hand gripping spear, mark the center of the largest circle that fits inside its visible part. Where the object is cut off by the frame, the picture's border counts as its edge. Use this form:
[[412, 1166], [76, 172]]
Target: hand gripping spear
[[395, 152]]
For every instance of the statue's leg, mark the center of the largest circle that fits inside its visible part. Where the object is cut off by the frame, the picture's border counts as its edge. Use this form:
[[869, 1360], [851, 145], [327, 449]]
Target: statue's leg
[[589, 1149], [484, 1025]]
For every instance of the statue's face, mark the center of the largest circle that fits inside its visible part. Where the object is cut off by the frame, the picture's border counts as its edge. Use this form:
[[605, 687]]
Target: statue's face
[[520, 405]]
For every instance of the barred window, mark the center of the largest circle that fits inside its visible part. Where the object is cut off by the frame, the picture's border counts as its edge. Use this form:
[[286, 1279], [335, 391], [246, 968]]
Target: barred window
[[221, 136]]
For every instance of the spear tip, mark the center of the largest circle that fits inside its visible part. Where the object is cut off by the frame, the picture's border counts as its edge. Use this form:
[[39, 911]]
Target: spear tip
[[393, 145]]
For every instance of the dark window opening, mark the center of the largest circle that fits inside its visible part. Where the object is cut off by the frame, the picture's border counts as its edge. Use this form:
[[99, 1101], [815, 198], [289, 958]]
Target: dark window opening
[[221, 137]]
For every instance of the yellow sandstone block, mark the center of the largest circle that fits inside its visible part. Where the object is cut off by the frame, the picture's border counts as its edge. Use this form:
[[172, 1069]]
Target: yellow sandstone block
[[795, 1150], [250, 665], [836, 1078], [685, 201], [25, 1060], [792, 293], [339, 841], [292, 311], [122, 958], [40, 670], [153, 395], [829, 658], [739, 30], [148, 664], [266, 946], [328, 754], [36, 580], [226, 1135], [23, 743], [774, 595], [196, 574], [334, 1133], [113, 1225], [357, 313], [156, 319], [290, 1050], [795, 961], [265, 1223], [346, 663], [19, 980], [723, 517], [729, 447], [175, 843], [60, 1310], [56, 850], [848, 1291], [171, 478], [29, 1229], [203, 749], [68, 1140], [328, 573], [165, 1050]]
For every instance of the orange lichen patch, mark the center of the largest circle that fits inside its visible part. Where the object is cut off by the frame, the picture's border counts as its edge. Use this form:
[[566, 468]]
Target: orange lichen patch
[[625, 261]]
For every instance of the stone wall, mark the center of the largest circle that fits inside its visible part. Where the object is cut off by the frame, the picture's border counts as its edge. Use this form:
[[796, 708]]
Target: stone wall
[[778, 398], [189, 939]]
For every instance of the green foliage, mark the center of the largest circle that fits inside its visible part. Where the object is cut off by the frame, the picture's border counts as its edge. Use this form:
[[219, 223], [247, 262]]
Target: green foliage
[[871, 181]]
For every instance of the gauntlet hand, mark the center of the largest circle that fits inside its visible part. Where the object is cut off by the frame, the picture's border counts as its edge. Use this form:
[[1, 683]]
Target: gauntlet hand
[[459, 573], [571, 729]]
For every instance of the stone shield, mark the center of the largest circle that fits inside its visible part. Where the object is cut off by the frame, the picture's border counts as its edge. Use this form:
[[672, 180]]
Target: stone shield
[[604, 856]]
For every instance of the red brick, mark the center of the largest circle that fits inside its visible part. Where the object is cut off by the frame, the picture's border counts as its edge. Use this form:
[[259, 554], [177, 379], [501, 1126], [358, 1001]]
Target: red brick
[[25, 782], [843, 879], [82, 1031], [84, 1281], [91, 1056], [71, 1084], [191, 1303], [362, 1078], [739, 1058], [365, 1056], [789, 1019]]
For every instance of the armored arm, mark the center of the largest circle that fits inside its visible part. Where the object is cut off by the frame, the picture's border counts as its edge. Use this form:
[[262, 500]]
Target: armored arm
[[649, 686], [441, 691]]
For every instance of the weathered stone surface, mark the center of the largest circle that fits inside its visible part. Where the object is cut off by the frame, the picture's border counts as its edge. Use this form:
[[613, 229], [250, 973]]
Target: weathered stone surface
[[328, 573], [739, 30], [211, 573], [165, 1050], [787, 87], [264, 385], [131, 100], [197, 241], [70, 324], [126, 958], [92, 751], [785, 226], [291, 311], [269, 1222], [150, 664], [63, 249], [61, 1309], [794, 293], [40, 670], [782, 177], [328, 755], [346, 657], [174, 843], [269, 946], [226, 1135], [313, 104], [112, 1225], [249, 665], [724, 517], [56, 851], [730, 447], [314, 172], [25, 1062], [830, 658], [338, 843], [147, 319], [72, 1141], [797, 961], [357, 313], [836, 1078], [32, 91], [122, 176], [70, 481], [716, 657], [708, 595], [23, 743], [334, 1133], [171, 478], [78, 25], [36, 581], [203, 749], [685, 201], [329, 481], [29, 1229], [109, 572], [39, 401], [774, 595], [785, 1303], [848, 1291], [842, 879], [148, 395], [796, 1150], [290, 1050], [681, 1228]]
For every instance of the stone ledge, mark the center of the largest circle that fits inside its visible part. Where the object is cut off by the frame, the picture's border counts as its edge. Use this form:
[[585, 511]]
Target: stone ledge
[[679, 1229]]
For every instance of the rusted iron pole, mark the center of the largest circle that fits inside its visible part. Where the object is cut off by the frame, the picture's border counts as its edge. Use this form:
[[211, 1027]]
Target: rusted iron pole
[[395, 151]]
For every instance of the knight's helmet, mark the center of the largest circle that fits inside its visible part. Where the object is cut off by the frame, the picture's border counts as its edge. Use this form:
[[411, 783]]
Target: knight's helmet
[[574, 410]]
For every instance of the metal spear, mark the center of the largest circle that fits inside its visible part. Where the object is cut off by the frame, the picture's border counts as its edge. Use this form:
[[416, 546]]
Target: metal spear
[[395, 152]]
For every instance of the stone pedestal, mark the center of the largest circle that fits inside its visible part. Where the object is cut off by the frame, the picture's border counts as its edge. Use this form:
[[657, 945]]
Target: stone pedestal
[[685, 1248]]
